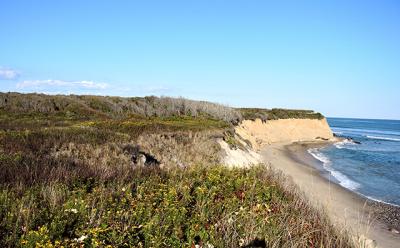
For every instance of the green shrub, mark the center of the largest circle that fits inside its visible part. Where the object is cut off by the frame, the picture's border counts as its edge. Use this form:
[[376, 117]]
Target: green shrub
[[276, 113]]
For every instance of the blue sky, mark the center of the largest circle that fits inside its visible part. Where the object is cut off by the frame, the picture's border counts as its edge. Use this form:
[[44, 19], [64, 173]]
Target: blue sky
[[341, 58]]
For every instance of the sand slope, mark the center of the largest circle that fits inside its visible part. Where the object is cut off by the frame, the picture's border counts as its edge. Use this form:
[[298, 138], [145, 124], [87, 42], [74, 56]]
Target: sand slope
[[241, 157]]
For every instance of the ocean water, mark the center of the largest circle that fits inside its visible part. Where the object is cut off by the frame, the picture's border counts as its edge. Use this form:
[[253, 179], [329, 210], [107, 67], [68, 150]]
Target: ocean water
[[369, 162]]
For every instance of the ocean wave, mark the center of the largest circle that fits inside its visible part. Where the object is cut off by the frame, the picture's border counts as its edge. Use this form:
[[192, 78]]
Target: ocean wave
[[319, 156], [343, 180], [382, 138]]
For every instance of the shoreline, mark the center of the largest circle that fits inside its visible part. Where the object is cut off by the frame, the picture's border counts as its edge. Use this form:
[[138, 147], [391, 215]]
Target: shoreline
[[383, 211], [358, 214]]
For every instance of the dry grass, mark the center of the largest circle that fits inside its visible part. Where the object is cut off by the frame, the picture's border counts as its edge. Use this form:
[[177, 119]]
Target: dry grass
[[183, 149]]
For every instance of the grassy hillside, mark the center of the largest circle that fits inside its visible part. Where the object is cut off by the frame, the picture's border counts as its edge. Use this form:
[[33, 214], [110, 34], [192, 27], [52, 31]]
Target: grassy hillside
[[69, 175]]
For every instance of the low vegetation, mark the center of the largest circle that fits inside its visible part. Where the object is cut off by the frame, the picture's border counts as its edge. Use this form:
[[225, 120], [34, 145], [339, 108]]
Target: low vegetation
[[88, 107], [209, 206], [277, 113], [69, 179]]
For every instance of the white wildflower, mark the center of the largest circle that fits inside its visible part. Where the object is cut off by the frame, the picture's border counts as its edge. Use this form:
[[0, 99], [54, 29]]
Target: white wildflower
[[81, 239], [72, 210], [208, 245]]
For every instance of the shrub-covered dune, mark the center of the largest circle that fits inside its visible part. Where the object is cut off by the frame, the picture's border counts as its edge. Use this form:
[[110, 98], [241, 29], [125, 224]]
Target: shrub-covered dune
[[70, 176]]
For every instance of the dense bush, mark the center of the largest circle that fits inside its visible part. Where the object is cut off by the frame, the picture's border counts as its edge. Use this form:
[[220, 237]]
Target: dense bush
[[276, 114]]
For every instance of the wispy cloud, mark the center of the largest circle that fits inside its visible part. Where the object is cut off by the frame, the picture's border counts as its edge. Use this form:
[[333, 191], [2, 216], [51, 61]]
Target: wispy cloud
[[8, 74], [157, 89], [50, 83], [52, 86]]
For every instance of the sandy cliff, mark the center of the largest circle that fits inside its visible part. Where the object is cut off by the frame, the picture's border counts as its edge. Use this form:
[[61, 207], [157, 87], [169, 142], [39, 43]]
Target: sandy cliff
[[260, 133]]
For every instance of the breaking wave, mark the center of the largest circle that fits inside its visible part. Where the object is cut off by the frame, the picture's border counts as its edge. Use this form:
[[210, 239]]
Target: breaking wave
[[341, 178]]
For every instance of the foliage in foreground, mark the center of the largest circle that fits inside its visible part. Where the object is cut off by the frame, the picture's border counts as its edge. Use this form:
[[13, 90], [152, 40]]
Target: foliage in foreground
[[201, 205]]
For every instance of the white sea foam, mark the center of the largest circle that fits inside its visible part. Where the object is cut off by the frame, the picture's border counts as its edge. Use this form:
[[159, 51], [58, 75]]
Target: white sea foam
[[326, 162], [382, 138], [343, 143], [344, 181], [319, 156]]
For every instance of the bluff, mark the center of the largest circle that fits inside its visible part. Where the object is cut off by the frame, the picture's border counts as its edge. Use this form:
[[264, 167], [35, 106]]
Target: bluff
[[260, 133]]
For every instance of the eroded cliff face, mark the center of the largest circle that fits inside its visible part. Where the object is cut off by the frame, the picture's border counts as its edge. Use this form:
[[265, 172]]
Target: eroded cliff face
[[260, 133]]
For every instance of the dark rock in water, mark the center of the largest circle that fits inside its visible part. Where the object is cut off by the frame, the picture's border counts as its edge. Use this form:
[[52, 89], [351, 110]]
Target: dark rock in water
[[356, 142], [338, 135], [141, 158]]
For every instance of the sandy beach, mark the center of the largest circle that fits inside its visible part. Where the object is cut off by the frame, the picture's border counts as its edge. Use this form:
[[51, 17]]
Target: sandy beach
[[345, 208]]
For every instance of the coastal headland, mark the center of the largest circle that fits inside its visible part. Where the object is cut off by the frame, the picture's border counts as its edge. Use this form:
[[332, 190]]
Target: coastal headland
[[284, 144]]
